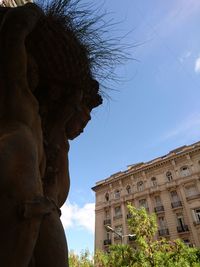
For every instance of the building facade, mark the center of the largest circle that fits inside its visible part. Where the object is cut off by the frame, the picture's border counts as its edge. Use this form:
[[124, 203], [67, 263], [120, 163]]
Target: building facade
[[168, 185]]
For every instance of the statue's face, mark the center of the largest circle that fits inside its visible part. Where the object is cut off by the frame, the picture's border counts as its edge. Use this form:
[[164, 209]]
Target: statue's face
[[77, 123], [83, 102]]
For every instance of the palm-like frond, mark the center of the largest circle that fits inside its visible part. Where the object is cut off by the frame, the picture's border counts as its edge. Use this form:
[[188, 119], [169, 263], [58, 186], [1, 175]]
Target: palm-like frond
[[93, 32]]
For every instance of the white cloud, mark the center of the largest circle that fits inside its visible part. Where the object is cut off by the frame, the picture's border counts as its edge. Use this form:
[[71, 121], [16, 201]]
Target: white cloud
[[75, 216], [185, 56], [197, 65], [67, 214], [187, 130]]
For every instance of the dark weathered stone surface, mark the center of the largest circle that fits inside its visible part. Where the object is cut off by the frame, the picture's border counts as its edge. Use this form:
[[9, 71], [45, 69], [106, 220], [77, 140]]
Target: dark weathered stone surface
[[46, 95]]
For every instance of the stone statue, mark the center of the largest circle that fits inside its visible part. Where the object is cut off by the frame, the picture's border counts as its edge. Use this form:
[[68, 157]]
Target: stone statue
[[47, 92]]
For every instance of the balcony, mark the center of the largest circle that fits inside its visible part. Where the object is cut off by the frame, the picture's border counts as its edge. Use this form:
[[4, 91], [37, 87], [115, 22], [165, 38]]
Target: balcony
[[182, 228], [193, 197], [107, 242], [163, 232], [176, 204], [107, 222], [119, 216], [159, 209]]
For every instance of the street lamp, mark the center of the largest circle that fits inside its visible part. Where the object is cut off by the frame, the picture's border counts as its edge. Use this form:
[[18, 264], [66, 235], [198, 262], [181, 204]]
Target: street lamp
[[110, 229]]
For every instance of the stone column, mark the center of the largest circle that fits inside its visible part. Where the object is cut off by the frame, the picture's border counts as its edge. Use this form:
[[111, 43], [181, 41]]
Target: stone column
[[124, 220]]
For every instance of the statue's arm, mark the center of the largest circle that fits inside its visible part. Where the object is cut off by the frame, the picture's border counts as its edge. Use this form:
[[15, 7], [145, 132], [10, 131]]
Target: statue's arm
[[19, 103], [16, 25]]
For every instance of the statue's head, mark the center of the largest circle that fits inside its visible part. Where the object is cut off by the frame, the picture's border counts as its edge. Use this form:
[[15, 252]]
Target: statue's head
[[68, 54], [64, 79], [60, 71]]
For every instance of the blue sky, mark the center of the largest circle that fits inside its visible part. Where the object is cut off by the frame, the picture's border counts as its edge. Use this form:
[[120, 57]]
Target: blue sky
[[153, 109]]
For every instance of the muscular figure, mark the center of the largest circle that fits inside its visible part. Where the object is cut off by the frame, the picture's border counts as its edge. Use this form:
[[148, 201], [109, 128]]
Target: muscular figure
[[47, 94]]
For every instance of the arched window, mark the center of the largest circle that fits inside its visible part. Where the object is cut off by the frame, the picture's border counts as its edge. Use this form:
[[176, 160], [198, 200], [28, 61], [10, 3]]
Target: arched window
[[128, 189], [153, 181], [107, 197], [169, 176], [184, 171], [117, 194], [140, 186]]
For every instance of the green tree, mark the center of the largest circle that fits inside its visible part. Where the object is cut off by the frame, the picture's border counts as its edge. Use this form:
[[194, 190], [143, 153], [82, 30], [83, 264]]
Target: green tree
[[118, 256], [82, 260], [147, 251], [153, 253], [144, 226]]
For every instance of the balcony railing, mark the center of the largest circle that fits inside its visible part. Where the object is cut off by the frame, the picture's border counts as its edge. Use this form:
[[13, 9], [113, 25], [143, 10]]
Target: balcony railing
[[107, 242], [182, 228], [163, 232], [119, 216], [159, 208], [176, 204], [193, 196], [107, 222]]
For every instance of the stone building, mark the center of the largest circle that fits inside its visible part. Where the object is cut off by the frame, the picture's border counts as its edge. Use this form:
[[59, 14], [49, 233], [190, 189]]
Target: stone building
[[168, 185]]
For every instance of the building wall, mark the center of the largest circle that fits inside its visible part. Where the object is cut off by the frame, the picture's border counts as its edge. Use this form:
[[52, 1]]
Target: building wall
[[169, 184]]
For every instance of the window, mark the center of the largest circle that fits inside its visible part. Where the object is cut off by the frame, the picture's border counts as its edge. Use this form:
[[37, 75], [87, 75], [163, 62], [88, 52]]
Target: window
[[158, 201], [196, 215], [118, 211], [174, 196], [143, 203], [107, 214], [140, 186], [107, 197], [118, 229], [107, 235], [128, 189], [117, 194], [169, 176], [161, 222], [191, 190], [153, 181], [184, 171], [180, 220]]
